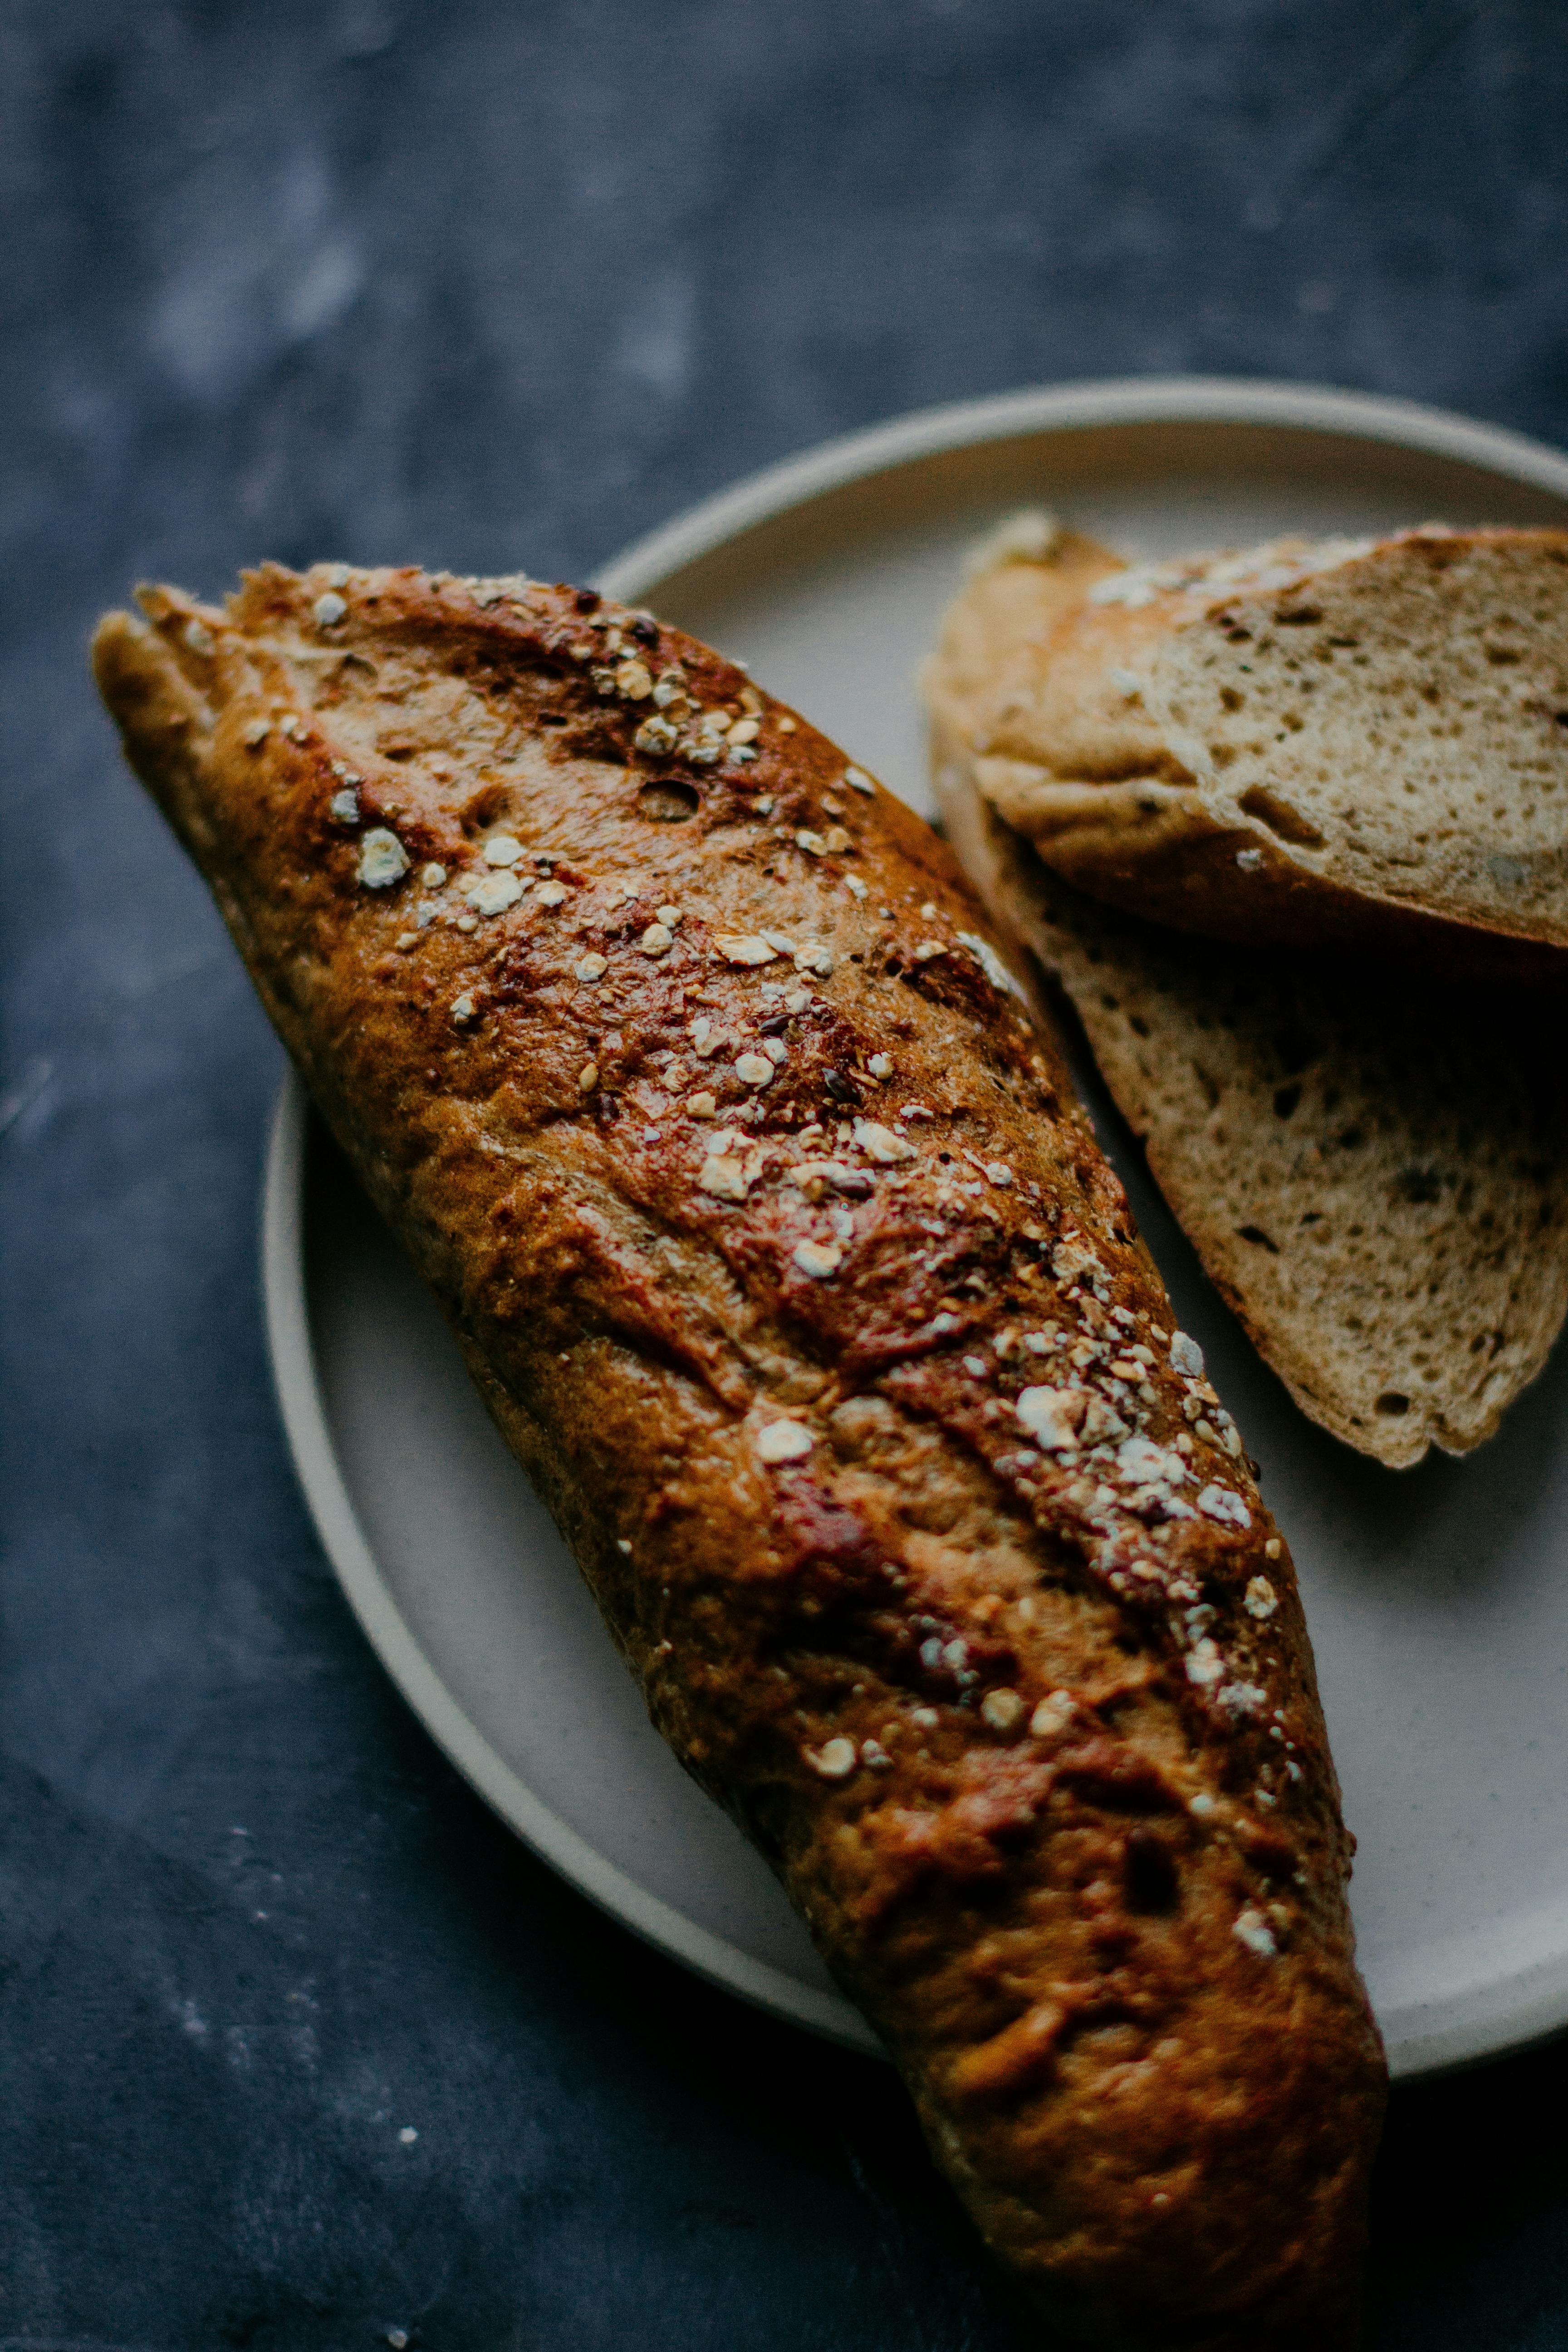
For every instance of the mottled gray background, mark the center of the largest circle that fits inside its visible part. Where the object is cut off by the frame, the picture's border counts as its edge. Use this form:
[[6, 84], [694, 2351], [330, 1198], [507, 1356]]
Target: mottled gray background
[[483, 285]]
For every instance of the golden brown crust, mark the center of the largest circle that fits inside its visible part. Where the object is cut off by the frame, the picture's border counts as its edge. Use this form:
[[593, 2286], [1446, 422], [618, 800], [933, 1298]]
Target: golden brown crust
[[1104, 733], [757, 1203]]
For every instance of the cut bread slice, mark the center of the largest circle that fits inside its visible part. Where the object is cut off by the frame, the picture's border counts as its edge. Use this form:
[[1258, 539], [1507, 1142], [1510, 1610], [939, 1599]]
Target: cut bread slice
[[1372, 1171], [1353, 742]]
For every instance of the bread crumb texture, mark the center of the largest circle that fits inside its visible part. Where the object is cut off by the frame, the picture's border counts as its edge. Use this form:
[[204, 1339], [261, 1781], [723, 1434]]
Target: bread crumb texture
[[791, 1270], [1372, 1165], [1306, 741]]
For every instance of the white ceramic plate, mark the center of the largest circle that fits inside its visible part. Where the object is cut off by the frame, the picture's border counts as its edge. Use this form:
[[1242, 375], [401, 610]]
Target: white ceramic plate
[[1438, 1597]]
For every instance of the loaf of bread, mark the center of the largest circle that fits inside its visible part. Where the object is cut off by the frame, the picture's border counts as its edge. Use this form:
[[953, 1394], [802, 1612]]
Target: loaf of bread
[[679, 1056], [1360, 744]]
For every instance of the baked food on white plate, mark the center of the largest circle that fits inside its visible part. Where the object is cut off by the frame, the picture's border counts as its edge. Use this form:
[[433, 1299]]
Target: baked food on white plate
[[1373, 1166]]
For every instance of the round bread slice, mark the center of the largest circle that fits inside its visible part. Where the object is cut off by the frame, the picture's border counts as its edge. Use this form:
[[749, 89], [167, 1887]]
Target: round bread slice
[[1352, 742]]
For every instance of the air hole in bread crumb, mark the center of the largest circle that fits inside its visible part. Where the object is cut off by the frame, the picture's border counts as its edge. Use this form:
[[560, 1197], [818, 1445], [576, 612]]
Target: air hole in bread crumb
[[482, 807], [667, 803], [1285, 1101], [1393, 1405], [1258, 1238]]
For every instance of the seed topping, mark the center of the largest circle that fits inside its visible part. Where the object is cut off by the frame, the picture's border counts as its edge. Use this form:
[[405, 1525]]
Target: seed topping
[[786, 1441], [382, 860]]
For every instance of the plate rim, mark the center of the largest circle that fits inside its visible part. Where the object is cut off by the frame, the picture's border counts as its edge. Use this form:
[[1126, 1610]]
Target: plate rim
[[1541, 2005], [849, 457]]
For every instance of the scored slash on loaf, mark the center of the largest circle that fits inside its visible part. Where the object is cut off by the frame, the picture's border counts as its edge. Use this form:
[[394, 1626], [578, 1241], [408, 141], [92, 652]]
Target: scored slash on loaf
[[791, 1272]]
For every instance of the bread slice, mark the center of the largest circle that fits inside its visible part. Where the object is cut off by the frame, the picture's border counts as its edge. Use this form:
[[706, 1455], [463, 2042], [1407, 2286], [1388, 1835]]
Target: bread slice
[[1353, 742], [1374, 1172]]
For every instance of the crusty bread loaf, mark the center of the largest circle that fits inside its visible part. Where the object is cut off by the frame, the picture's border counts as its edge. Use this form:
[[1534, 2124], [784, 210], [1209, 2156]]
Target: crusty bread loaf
[[1374, 1170], [1356, 743], [678, 1057]]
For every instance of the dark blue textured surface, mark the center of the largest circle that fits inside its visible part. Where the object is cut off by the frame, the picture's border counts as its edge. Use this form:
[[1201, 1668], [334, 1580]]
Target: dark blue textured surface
[[481, 285]]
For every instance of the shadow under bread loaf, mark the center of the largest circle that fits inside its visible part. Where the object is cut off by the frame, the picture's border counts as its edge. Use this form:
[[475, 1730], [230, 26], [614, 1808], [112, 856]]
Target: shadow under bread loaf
[[680, 1059]]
